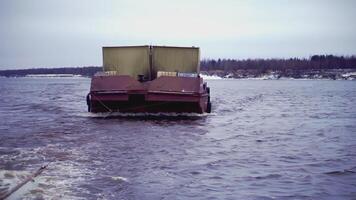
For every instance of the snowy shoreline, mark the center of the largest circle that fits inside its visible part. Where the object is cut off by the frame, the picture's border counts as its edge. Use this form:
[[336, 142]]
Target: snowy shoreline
[[206, 76], [332, 74], [53, 75]]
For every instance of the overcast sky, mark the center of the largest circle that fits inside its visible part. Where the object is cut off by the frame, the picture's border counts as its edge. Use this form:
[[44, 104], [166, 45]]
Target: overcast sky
[[46, 33]]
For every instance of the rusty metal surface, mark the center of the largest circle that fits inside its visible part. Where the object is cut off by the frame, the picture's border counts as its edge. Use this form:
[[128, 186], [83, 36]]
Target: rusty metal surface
[[176, 84], [173, 97], [112, 83], [164, 94]]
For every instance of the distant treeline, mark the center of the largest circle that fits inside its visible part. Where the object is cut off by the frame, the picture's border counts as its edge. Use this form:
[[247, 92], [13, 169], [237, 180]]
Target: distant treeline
[[258, 66], [314, 62], [84, 71]]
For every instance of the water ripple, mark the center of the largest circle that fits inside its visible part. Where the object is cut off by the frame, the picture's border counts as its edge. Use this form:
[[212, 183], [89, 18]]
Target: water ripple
[[264, 140]]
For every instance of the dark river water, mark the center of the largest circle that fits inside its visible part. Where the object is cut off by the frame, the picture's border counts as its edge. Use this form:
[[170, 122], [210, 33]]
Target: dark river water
[[265, 139]]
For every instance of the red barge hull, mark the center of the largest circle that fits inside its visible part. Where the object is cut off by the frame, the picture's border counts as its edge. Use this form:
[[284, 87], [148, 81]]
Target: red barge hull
[[166, 94]]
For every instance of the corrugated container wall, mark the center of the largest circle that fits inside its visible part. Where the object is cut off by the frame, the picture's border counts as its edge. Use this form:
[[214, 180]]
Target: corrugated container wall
[[131, 60], [136, 60], [176, 59]]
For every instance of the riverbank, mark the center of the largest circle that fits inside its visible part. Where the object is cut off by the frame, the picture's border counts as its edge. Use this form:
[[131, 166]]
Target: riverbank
[[330, 74]]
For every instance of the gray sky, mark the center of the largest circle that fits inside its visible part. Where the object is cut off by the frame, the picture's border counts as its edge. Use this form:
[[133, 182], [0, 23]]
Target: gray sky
[[48, 33]]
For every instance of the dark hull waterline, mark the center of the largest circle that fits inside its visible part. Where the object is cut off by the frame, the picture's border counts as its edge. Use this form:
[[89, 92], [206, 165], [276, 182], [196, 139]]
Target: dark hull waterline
[[162, 95]]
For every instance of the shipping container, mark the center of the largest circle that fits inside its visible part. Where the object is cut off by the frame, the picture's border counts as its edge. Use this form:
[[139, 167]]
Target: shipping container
[[178, 59], [127, 60], [147, 61]]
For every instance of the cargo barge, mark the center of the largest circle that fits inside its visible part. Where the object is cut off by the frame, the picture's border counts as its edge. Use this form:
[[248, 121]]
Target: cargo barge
[[149, 79]]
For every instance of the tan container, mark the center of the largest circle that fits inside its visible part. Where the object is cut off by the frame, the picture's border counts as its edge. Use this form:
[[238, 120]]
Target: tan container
[[179, 59], [127, 60], [149, 60]]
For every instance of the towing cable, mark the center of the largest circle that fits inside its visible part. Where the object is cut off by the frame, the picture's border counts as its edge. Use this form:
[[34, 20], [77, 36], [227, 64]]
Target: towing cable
[[29, 178]]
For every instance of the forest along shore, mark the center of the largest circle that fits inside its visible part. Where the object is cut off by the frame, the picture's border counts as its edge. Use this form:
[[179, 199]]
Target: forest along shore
[[330, 74], [315, 67]]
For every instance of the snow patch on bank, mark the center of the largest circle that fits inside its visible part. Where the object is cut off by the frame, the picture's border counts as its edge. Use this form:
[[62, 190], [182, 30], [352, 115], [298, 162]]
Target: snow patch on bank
[[53, 75], [210, 77]]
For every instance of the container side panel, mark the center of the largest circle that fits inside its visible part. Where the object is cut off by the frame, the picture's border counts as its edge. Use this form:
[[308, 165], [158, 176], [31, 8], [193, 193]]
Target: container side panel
[[171, 59], [132, 61]]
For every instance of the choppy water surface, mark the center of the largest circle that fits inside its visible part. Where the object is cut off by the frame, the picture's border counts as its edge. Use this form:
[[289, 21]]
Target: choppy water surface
[[264, 140]]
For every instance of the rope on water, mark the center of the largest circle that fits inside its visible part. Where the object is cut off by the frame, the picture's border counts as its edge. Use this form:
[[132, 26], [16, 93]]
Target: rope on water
[[29, 178], [106, 107], [126, 109]]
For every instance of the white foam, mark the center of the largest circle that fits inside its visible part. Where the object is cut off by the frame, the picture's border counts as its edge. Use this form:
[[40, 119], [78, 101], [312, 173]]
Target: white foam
[[119, 178], [11, 178], [56, 181]]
